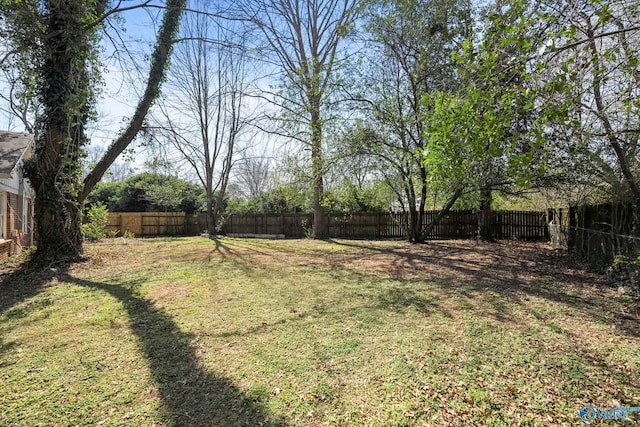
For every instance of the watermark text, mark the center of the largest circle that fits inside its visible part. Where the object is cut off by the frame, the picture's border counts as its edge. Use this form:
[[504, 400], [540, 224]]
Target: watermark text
[[590, 413]]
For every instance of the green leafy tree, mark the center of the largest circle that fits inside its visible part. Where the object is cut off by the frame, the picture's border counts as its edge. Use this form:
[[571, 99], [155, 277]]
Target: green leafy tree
[[149, 192], [108, 194], [97, 219], [488, 133], [409, 57]]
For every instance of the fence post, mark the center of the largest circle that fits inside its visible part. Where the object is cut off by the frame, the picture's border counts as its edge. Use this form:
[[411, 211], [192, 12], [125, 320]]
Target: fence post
[[551, 217], [560, 217], [572, 228]]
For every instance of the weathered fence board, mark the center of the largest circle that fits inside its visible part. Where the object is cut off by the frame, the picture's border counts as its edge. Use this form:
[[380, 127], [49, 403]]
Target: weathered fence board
[[530, 225], [599, 233], [147, 223]]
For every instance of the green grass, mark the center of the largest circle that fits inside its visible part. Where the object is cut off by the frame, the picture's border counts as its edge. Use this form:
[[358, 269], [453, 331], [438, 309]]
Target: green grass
[[194, 332]]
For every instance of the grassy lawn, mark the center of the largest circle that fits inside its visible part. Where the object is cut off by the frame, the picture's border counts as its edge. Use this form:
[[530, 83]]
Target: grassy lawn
[[193, 332]]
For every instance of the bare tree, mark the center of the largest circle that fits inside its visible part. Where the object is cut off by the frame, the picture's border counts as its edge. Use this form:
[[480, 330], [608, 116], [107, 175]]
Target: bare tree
[[17, 95], [254, 175], [302, 39], [118, 171], [202, 113]]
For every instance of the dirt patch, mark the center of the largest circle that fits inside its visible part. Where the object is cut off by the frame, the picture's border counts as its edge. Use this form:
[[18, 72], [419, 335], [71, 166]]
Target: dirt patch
[[505, 263], [169, 292]]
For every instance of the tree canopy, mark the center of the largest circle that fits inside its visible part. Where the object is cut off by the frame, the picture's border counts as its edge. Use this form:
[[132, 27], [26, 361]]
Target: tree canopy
[[149, 192]]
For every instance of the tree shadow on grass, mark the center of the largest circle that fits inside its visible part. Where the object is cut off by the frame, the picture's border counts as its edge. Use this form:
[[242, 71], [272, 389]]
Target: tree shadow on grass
[[513, 270], [400, 298], [27, 281], [191, 395]]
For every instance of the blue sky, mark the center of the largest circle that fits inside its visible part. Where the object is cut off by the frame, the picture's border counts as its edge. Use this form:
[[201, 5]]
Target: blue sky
[[126, 45], [122, 82]]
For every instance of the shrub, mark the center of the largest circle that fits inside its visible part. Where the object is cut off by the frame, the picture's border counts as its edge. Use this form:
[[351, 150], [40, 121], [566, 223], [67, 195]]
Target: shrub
[[97, 218], [626, 270]]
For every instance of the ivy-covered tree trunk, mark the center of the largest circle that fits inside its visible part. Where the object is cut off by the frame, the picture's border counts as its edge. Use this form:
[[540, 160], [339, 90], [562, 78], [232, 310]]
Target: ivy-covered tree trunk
[[157, 73], [58, 39], [57, 210], [65, 91]]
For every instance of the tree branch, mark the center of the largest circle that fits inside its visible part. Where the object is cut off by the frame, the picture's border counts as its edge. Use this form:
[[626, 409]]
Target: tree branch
[[159, 62]]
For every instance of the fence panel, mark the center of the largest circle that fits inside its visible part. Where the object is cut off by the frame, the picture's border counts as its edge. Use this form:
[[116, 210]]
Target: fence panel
[[460, 224], [599, 233], [148, 223], [163, 224], [527, 225]]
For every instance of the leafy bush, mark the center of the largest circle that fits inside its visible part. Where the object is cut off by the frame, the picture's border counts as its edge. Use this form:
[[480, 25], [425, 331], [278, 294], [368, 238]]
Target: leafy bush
[[296, 197], [284, 198], [150, 192], [626, 269], [97, 219]]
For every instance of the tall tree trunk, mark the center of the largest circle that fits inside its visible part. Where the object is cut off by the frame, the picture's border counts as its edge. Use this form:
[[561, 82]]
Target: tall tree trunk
[[421, 208], [65, 91], [57, 211], [485, 230], [211, 217], [445, 209], [320, 223], [412, 225], [635, 224]]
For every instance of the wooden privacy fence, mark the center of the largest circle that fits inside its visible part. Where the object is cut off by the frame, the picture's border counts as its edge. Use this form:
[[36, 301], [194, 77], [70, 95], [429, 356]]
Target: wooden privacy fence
[[598, 233], [461, 224], [148, 223]]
